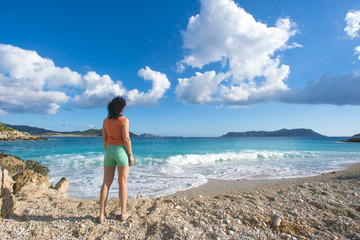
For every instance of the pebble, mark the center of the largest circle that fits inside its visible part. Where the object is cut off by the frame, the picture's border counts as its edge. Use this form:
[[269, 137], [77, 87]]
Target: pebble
[[277, 221], [285, 236]]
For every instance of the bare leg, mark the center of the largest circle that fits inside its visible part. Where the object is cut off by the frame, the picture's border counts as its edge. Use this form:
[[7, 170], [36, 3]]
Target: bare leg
[[109, 173], [123, 173]]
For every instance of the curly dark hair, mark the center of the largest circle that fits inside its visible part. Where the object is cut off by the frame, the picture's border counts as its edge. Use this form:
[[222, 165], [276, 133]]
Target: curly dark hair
[[115, 107]]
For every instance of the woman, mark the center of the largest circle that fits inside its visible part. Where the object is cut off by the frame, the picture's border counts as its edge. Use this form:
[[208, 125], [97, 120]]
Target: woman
[[118, 154]]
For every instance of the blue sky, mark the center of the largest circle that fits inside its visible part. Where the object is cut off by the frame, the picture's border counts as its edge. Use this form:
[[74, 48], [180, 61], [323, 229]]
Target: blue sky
[[186, 68]]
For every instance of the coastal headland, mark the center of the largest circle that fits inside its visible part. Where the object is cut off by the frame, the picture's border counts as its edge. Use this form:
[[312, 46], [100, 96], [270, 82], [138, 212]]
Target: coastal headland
[[9, 134]]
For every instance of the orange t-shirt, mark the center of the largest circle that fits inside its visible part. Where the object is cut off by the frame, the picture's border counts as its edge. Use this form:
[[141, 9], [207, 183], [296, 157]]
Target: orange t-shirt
[[113, 128]]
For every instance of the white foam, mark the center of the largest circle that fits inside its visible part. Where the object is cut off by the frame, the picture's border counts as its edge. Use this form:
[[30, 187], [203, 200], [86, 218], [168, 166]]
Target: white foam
[[158, 177], [243, 156]]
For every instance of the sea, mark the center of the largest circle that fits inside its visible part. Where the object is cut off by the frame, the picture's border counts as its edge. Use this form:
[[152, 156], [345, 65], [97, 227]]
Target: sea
[[166, 165]]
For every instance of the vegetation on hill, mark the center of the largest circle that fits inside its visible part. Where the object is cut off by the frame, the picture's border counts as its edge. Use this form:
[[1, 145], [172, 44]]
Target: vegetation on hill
[[3, 128]]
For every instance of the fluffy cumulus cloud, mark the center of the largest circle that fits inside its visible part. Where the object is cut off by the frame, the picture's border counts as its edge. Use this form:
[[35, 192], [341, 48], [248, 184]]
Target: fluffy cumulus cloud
[[199, 88], [352, 20], [30, 83], [98, 91], [352, 28], [225, 33], [160, 84]]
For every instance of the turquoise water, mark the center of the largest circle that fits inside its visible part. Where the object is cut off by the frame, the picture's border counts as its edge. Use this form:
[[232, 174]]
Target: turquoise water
[[166, 165]]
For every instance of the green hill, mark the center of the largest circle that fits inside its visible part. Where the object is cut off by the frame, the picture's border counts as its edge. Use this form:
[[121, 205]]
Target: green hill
[[3, 127]]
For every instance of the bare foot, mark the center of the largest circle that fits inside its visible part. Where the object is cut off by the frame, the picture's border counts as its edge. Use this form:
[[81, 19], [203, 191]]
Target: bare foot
[[125, 217], [101, 219]]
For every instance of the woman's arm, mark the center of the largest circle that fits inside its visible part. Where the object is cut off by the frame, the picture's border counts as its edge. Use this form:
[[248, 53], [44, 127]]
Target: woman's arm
[[127, 142], [105, 137]]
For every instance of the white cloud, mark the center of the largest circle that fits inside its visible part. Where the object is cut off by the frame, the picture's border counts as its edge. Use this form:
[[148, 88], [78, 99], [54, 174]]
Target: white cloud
[[30, 83], [160, 84], [99, 90], [352, 23], [199, 88], [357, 51], [224, 32]]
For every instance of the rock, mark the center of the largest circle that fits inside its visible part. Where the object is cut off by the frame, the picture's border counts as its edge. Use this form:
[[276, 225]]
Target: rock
[[6, 182], [277, 221], [13, 164], [285, 236], [29, 177], [37, 167], [62, 185], [16, 135], [8, 203]]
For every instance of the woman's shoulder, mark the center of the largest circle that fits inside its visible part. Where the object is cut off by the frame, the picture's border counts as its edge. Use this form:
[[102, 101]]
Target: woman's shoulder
[[122, 118]]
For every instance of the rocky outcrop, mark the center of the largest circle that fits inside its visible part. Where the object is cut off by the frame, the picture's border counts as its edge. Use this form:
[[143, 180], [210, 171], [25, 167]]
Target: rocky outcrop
[[7, 200], [37, 167], [62, 185], [29, 177], [16, 165], [13, 164], [8, 203], [16, 135], [6, 180], [19, 177]]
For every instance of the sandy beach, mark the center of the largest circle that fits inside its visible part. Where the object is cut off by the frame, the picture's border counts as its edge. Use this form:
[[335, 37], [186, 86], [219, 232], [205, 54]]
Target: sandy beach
[[321, 207]]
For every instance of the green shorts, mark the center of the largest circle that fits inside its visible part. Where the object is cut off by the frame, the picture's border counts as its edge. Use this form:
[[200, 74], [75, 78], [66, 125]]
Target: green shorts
[[116, 155]]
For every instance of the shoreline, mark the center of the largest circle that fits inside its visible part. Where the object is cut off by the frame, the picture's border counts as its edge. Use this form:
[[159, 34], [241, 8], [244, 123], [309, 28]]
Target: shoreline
[[325, 206], [215, 187], [65, 135]]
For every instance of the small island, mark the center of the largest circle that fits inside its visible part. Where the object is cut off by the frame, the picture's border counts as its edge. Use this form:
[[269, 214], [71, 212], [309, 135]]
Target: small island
[[300, 132]]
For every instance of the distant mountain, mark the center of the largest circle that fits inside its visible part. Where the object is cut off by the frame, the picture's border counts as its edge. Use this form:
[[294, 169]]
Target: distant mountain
[[356, 135], [148, 135], [42, 131], [89, 132], [301, 132], [31, 130]]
